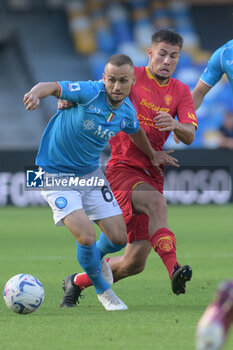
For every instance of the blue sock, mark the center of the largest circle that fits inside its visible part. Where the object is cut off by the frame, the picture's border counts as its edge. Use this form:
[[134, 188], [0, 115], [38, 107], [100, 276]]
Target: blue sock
[[89, 259], [105, 246]]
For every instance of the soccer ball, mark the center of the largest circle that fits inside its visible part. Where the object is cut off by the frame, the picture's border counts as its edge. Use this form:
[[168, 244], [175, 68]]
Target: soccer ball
[[23, 293]]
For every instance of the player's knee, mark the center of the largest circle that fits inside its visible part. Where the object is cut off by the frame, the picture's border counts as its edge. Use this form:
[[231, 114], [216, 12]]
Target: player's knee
[[86, 239], [120, 240], [119, 236], [157, 205]]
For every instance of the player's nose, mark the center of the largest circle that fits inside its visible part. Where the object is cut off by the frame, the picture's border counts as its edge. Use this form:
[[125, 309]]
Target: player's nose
[[117, 86], [166, 60]]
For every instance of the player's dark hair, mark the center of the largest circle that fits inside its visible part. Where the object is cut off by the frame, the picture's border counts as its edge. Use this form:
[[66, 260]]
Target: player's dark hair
[[119, 60], [169, 36]]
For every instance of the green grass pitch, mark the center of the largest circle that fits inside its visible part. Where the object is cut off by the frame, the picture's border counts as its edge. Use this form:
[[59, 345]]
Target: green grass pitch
[[156, 319]]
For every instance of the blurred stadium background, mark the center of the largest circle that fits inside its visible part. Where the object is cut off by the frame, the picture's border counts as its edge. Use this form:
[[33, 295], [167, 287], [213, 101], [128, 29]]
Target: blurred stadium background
[[49, 40]]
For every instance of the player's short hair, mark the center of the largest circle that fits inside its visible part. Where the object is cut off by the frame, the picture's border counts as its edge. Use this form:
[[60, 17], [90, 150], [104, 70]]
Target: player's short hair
[[169, 36], [119, 60]]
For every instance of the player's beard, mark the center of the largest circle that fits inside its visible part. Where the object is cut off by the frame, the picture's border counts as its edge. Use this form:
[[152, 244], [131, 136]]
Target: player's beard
[[162, 79], [114, 101]]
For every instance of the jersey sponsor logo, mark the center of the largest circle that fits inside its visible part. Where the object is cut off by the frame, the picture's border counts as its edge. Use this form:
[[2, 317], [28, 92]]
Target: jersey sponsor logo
[[229, 62], [61, 202], [168, 99], [146, 121], [88, 124], [150, 105], [94, 109], [105, 134], [123, 123], [74, 87]]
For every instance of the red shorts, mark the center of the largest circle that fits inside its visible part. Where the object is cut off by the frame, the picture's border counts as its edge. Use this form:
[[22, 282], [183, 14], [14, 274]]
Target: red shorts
[[123, 179]]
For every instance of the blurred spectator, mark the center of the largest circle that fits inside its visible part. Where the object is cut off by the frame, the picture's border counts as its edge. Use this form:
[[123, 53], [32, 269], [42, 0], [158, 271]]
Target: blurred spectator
[[222, 136], [100, 28], [226, 131]]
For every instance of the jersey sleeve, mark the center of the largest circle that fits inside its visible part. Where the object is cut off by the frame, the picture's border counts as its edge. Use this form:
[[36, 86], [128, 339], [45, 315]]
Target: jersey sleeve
[[130, 125], [186, 112], [214, 71], [80, 92]]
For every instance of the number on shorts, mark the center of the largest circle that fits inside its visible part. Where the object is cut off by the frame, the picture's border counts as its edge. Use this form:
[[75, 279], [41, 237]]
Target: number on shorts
[[107, 194]]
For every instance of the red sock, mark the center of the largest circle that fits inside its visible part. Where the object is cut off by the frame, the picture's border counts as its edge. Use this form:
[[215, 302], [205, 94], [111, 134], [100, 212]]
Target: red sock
[[164, 243], [82, 280]]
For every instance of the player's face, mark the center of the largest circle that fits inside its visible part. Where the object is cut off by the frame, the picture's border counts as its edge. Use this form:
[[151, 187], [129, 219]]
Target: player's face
[[163, 58], [118, 82]]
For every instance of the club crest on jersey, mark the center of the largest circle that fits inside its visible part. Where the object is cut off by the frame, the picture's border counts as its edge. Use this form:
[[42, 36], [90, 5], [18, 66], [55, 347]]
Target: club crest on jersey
[[74, 87], [168, 99], [61, 202]]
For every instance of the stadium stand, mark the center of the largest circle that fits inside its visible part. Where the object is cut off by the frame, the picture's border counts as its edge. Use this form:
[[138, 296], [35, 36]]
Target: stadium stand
[[47, 40], [36, 47]]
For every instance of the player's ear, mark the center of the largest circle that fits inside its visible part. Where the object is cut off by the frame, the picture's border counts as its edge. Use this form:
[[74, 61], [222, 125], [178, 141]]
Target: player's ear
[[103, 77], [149, 52], [134, 80]]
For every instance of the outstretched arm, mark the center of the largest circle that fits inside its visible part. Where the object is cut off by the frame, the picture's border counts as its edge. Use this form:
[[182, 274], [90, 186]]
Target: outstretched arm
[[41, 90], [199, 93], [141, 141]]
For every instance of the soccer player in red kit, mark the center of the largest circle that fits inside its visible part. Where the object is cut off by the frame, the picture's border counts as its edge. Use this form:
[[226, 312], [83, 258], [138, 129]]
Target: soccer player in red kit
[[136, 184]]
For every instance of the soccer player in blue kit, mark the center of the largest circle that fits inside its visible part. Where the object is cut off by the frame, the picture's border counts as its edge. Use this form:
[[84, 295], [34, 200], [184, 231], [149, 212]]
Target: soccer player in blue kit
[[72, 144], [220, 62], [215, 323]]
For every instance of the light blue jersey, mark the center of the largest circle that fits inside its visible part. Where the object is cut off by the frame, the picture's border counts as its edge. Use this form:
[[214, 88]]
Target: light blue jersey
[[220, 62], [74, 138]]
